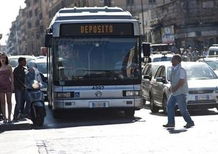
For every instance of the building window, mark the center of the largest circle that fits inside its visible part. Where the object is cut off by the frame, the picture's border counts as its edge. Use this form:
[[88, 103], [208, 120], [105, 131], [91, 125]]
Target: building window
[[29, 25], [107, 2], [36, 12], [130, 2], [152, 1], [30, 14]]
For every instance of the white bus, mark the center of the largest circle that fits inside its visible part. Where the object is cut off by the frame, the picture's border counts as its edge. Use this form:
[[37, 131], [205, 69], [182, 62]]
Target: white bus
[[94, 60]]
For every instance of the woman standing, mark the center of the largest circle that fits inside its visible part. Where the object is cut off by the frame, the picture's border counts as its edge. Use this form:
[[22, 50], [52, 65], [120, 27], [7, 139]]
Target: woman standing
[[6, 86]]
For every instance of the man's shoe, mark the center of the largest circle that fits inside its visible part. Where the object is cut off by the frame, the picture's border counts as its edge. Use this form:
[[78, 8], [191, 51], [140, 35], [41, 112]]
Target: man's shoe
[[169, 125], [189, 125]]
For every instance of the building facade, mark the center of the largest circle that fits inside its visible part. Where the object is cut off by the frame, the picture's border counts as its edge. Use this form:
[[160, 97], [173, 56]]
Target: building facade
[[186, 23], [28, 30]]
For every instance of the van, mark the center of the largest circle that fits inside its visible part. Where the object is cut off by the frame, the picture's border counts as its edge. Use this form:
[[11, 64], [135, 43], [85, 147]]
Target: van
[[213, 51]]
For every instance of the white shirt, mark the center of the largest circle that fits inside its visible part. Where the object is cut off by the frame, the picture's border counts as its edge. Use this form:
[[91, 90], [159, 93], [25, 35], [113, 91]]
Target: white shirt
[[182, 72]]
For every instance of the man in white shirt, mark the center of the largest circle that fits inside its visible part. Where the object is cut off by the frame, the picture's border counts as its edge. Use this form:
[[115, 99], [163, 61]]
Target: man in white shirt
[[179, 89]]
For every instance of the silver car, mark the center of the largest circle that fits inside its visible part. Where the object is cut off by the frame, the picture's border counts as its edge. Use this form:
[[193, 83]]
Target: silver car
[[202, 83], [148, 73]]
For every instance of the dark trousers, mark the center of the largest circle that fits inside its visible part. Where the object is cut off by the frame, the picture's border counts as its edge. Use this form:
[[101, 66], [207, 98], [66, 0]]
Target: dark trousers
[[20, 101]]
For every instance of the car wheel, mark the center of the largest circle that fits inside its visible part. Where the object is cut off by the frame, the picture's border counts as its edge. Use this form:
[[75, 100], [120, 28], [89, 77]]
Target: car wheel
[[153, 107]]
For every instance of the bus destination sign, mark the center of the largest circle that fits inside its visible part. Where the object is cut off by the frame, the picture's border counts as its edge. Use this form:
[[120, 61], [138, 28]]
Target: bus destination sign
[[96, 29]]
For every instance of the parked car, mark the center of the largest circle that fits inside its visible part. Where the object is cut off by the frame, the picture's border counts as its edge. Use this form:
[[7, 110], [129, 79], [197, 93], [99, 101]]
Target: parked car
[[213, 51], [212, 62], [161, 57], [13, 60], [148, 73], [202, 82], [165, 56]]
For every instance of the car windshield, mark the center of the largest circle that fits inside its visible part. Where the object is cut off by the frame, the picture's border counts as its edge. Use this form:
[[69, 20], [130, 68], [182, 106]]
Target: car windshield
[[213, 64], [196, 71]]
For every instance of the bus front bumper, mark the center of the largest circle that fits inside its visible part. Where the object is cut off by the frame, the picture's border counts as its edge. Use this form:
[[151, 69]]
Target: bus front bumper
[[100, 103]]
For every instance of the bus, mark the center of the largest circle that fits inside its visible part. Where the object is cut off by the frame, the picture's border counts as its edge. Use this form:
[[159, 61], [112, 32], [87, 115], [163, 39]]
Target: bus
[[94, 60]]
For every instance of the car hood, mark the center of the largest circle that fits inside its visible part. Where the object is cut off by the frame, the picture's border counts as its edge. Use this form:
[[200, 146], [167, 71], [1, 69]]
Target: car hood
[[203, 83], [216, 71]]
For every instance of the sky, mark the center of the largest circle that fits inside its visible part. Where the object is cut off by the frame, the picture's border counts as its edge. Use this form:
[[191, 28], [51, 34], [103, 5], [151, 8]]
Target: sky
[[9, 10]]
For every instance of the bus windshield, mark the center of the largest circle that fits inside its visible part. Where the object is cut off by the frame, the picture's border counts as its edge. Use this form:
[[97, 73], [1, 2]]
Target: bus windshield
[[97, 60]]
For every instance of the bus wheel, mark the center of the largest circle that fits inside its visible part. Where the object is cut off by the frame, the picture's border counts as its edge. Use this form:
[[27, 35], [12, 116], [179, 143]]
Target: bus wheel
[[49, 105], [56, 114], [129, 113]]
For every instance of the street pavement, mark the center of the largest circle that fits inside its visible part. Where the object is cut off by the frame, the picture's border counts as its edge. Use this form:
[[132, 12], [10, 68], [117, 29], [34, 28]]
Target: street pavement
[[111, 133]]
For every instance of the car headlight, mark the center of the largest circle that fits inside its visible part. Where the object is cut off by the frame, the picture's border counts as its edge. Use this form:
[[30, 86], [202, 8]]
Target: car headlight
[[63, 95], [131, 93]]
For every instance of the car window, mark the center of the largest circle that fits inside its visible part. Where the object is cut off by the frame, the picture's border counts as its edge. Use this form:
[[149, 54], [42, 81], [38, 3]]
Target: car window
[[13, 62], [158, 73], [162, 73], [146, 69], [153, 70], [213, 52], [213, 64]]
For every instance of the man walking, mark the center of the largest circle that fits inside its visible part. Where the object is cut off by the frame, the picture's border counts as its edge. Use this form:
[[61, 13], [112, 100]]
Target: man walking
[[179, 89], [19, 87]]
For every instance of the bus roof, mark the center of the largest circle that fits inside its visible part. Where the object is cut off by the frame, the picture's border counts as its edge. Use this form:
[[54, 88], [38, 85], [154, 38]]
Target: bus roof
[[91, 15], [81, 13]]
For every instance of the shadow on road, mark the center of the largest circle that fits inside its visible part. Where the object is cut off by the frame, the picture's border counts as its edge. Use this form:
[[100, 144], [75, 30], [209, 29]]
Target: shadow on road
[[176, 131], [73, 118], [24, 125], [193, 112]]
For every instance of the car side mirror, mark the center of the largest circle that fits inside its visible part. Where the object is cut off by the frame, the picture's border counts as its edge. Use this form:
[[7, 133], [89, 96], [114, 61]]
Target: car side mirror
[[161, 79], [147, 77]]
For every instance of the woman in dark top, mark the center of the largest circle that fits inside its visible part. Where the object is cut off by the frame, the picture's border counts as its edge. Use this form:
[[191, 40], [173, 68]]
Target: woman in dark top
[[6, 86]]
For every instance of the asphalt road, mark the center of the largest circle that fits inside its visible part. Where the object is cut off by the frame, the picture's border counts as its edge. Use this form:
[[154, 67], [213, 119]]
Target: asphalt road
[[110, 132]]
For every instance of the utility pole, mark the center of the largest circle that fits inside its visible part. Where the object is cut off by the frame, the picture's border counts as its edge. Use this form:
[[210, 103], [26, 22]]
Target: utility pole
[[143, 24]]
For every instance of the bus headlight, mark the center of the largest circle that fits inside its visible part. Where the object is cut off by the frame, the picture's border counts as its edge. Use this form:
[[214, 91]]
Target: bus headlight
[[63, 95], [131, 93]]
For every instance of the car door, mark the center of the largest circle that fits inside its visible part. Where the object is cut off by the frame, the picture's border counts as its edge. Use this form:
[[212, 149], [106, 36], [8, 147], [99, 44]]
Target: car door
[[146, 74], [158, 85]]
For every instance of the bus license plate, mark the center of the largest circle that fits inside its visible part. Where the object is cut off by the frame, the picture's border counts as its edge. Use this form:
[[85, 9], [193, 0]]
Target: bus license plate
[[202, 97], [98, 104]]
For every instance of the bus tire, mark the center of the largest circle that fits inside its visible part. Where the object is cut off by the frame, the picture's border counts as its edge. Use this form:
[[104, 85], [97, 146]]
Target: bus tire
[[129, 113], [56, 114]]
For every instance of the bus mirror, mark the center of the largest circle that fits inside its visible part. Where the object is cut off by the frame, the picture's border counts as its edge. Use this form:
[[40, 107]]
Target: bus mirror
[[48, 38], [146, 49]]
